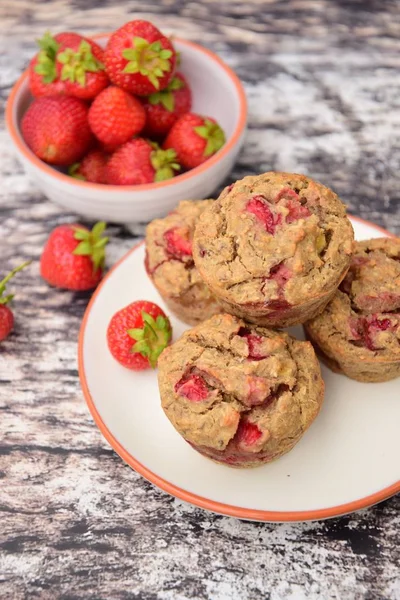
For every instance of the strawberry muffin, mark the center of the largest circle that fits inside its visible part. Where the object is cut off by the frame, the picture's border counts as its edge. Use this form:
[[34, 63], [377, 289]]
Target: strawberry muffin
[[240, 394], [358, 334], [170, 266], [274, 248]]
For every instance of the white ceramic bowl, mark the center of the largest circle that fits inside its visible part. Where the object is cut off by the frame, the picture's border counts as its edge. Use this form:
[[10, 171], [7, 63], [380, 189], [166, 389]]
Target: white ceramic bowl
[[217, 92]]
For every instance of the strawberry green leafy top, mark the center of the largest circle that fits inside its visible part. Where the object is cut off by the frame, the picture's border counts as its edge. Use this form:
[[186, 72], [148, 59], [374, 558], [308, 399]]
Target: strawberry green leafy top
[[92, 244], [46, 60], [149, 59], [166, 97], [152, 338], [77, 64]]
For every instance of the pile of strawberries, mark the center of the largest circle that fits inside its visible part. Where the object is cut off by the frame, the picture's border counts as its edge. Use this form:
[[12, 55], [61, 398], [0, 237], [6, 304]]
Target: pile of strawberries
[[117, 116]]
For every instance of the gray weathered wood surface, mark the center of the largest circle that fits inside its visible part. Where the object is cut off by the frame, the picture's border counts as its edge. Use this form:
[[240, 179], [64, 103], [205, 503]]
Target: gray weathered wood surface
[[322, 79]]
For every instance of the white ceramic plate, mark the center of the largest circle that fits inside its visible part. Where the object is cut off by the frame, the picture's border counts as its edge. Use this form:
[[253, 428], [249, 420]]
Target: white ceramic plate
[[349, 459]]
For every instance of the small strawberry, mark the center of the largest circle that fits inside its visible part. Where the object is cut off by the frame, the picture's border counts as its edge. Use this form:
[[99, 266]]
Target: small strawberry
[[73, 257], [6, 315], [194, 139], [137, 334], [82, 67], [164, 108], [139, 58], [43, 76], [115, 116], [140, 161], [91, 168], [56, 129]]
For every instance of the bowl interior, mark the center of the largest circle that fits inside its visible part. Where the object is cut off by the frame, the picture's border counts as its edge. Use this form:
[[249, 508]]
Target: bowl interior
[[215, 92]]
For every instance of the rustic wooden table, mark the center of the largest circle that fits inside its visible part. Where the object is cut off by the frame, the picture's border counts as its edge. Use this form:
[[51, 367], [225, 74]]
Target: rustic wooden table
[[322, 78]]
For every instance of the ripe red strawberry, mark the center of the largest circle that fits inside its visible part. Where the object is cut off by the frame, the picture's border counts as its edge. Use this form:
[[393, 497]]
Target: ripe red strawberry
[[137, 334], [6, 315], [115, 116], [73, 257], [194, 139], [164, 108], [43, 76], [80, 62], [91, 168], [56, 129], [68, 64], [139, 58], [140, 161]]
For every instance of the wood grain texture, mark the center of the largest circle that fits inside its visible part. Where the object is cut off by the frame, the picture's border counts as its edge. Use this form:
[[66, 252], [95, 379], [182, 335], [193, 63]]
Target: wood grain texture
[[322, 79]]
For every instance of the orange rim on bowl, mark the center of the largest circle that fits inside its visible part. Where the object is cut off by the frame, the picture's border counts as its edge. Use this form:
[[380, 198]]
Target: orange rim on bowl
[[48, 169], [206, 503]]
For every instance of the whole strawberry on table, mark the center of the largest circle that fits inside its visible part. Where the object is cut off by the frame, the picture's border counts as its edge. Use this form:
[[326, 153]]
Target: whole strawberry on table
[[73, 257], [119, 115], [137, 334]]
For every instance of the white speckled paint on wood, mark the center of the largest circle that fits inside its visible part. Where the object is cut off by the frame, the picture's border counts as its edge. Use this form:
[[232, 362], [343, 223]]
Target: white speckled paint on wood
[[323, 88]]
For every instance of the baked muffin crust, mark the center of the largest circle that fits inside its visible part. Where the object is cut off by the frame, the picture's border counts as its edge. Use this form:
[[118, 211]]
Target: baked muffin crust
[[240, 394], [169, 263], [359, 332], [274, 248]]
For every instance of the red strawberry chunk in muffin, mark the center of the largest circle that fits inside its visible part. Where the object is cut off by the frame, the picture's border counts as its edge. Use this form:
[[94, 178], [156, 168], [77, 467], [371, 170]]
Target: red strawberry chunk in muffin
[[247, 433], [296, 211], [365, 329], [372, 326], [253, 341], [193, 387], [287, 194], [258, 207], [280, 273], [291, 200], [259, 390], [178, 243]]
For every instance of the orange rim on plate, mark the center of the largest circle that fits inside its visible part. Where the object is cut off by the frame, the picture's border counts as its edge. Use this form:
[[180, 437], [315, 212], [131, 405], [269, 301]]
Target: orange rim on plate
[[211, 505], [49, 170]]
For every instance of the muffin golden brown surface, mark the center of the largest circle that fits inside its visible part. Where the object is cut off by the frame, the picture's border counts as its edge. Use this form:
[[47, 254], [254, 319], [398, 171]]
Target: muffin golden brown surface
[[274, 248], [358, 334], [170, 266], [240, 394]]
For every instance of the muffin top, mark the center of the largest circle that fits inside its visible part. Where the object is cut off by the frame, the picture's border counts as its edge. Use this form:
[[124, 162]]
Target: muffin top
[[277, 239], [169, 260], [226, 381], [365, 312]]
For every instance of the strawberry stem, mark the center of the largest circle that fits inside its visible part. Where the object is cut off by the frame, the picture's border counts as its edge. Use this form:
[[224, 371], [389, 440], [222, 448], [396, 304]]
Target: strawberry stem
[[166, 97], [77, 64], [46, 60], [149, 59], [73, 171], [152, 338], [3, 282], [92, 244], [164, 162], [214, 135]]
